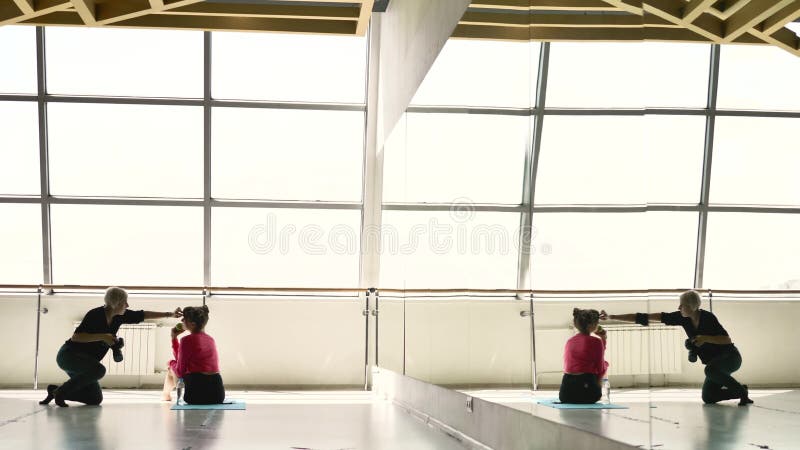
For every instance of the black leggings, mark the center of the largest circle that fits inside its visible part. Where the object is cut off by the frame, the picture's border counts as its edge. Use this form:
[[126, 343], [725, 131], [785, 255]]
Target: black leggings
[[718, 374], [581, 388], [203, 389], [84, 372]]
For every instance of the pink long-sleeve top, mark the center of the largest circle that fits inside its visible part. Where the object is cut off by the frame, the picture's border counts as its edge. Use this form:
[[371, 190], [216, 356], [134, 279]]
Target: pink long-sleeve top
[[584, 354], [196, 352]]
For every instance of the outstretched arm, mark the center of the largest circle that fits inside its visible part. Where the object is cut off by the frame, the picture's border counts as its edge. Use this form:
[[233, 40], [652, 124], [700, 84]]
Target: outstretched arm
[[163, 315], [628, 317]]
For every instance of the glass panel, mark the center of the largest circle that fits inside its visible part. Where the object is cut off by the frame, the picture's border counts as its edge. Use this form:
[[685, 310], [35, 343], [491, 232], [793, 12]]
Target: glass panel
[[19, 148], [20, 244], [592, 159], [444, 157], [148, 245], [758, 77], [752, 251], [481, 73], [632, 75], [270, 154], [285, 247], [124, 62], [288, 67], [461, 248], [18, 53], [674, 158], [109, 150], [755, 161], [581, 251]]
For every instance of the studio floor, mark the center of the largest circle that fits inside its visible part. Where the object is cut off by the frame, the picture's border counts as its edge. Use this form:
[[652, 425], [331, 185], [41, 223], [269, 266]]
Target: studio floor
[[344, 420]]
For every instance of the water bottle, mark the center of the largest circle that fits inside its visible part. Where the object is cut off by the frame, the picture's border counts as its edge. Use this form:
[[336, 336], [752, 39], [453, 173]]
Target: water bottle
[[606, 391], [179, 387]]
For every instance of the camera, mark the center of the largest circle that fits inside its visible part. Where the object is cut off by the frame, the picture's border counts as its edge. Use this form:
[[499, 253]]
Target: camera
[[116, 349], [692, 350]]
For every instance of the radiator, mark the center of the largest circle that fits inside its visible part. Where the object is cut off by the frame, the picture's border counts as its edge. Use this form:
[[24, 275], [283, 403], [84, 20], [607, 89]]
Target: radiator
[[138, 353], [632, 350]]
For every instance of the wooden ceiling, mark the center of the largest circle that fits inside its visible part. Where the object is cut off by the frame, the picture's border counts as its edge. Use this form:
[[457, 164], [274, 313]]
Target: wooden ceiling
[[348, 17], [714, 21]]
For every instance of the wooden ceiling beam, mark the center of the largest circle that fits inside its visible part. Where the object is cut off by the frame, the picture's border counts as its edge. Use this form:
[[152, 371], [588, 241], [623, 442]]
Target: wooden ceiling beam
[[695, 8], [363, 17], [252, 10], [751, 15], [789, 13], [87, 10], [25, 6], [544, 5]]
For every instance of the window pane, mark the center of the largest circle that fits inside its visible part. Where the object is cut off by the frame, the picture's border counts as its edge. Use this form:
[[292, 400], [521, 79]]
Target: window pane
[[756, 161], [613, 251], [285, 247], [456, 249], [20, 244], [758, 77], [674, 158], [126, 150], [605, 75], [150, 245], [124, 62], [591, 160], [19, 148], [288, 67], [18, 54], [287, 154], [444, 157], [481, 73], [752, 251]]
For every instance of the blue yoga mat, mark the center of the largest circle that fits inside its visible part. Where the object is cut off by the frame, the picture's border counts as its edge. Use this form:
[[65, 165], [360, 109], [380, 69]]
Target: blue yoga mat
[[229, 404], [554, 403]]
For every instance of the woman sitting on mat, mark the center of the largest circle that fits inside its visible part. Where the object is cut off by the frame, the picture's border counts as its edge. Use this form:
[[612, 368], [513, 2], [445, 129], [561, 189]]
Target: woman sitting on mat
[[196, 361], [708, 340], [584, 366], [81, 354]]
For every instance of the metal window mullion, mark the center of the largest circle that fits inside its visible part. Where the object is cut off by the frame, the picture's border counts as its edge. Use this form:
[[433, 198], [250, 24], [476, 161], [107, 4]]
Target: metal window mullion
[[206, 158], [708, 150]]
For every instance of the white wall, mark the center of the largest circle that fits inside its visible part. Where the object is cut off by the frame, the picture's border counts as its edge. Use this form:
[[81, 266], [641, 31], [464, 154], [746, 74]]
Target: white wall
[[320, 342]]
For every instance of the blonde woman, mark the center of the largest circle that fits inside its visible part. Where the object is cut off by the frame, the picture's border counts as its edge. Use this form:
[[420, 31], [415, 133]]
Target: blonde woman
[[81, 354]]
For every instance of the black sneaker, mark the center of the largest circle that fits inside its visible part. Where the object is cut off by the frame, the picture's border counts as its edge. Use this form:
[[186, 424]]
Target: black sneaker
[[745, 400]]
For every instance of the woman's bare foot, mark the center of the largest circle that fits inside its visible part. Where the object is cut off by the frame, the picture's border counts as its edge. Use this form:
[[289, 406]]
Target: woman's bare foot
[[166, 398]]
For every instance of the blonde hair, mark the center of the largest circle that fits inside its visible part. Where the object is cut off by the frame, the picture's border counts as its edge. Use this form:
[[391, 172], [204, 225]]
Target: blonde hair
[[692, 298], [115, 296]]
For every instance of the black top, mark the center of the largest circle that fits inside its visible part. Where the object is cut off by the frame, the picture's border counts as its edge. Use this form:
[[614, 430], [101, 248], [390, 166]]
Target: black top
[[95, 322], [708, 326]]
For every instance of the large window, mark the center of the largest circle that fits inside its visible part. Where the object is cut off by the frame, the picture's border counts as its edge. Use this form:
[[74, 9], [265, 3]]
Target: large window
[[19, 148], [150, 245], [756, 161], [126, 150], [627, 75], [454, 249], [481, 73], [124, 62], [270, 154], [464, 157], [753, 251], [592, 159], [288, 67], [758, 77], [18, 54], [285, 247], [20, 244]]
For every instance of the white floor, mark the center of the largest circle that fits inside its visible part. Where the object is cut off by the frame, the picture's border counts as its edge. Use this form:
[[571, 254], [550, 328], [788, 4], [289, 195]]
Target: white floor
[[676, 418], [137, 419]]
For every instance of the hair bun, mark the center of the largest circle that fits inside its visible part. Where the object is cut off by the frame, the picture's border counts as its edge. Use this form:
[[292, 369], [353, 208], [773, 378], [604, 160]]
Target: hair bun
[[575, 312], [205, 308]]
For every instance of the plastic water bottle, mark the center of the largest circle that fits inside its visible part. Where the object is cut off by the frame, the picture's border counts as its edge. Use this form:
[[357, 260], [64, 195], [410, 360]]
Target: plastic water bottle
[[179, 388], [606, 391]]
